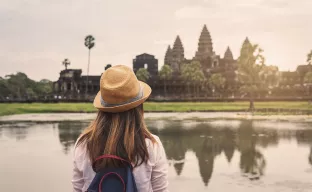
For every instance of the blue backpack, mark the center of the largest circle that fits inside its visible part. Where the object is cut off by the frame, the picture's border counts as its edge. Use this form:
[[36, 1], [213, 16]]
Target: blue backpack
[[113, 179]]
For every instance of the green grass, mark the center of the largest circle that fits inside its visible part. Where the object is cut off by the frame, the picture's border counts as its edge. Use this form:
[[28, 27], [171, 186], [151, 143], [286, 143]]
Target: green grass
[[16, 108]]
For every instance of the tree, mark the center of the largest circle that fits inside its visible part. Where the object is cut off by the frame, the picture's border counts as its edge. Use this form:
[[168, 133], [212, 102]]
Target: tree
[[217, 82], [250, 64], [66, 62], [142, 74], [309, 58], [165, 74], [308, 80], [108, 66], [186, 73], [45, 86], [192, 73], [198, 79], [269, 77], [5, 91], [308, 77], [20, 86], [89, 43]]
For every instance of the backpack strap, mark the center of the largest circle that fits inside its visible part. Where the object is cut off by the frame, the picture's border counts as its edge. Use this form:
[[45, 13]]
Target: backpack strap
[[112, 173], [111, 157]]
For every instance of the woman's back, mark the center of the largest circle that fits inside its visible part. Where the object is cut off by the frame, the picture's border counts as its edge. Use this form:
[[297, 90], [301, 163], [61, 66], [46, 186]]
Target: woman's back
[[149, 177]]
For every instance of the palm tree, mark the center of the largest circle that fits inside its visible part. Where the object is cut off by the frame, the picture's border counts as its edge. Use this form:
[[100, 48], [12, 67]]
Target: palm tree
[[89, 43], [142, 74], [108, 66], [66, 62], [309, 58], [165, 74], [250, 64]]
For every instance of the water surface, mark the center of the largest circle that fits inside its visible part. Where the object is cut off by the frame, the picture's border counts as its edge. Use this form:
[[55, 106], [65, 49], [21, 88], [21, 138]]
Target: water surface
[[215, 155]]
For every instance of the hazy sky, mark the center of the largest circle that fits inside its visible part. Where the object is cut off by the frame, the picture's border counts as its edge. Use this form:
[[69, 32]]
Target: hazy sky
[[36, 35]]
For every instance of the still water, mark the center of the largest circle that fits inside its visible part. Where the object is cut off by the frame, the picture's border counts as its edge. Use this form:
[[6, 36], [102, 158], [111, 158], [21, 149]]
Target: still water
[[215, 155]]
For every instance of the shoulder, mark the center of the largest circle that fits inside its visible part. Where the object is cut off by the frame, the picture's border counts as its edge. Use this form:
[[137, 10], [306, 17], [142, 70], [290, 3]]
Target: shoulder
[[151, 144], [155, 149], [80, 150]]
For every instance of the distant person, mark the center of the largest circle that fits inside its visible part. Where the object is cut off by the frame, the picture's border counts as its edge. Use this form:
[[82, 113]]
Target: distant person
[[119, 132]]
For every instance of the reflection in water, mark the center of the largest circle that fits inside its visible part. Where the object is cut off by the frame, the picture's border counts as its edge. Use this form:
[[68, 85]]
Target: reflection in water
[[69, 132], [228, 141], [252, 163], [205, 156], [208, 142], [198, 152], [17, 131], [310, 156], [175, 150]]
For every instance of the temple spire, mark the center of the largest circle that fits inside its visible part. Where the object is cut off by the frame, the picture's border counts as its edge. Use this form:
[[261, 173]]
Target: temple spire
[[168, 56], [247, 40], [177, 54], [178, 44], [205, 46], [228, 54]]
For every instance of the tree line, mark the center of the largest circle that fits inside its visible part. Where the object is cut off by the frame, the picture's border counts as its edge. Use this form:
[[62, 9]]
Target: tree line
[[19, 86]]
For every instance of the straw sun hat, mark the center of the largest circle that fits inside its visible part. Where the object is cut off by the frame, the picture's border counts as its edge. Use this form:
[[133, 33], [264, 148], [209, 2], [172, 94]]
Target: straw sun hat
[[120, 90]]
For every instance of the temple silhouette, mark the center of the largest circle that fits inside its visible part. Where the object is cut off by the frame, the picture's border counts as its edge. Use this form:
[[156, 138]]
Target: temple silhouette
[[71, 84]]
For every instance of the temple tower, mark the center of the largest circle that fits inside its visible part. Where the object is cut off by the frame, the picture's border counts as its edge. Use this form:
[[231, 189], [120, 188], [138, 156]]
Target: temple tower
[[228, 54], [168, 56], [177, 55], [205, 46]]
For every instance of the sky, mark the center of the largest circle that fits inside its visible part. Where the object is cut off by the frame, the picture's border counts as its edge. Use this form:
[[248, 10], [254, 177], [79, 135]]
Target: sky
[[36, 36]]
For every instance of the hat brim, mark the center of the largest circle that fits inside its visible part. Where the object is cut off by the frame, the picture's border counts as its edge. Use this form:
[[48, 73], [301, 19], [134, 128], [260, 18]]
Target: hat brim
[[124, 107]]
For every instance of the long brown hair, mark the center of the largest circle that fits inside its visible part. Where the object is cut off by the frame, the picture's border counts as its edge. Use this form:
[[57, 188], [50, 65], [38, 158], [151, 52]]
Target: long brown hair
[[122, 134]]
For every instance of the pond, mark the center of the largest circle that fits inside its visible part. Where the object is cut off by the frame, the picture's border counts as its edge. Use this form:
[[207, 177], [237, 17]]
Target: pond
[[211, 155]]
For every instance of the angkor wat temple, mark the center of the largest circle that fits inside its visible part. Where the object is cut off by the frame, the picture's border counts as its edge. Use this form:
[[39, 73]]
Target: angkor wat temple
[[71, 84]]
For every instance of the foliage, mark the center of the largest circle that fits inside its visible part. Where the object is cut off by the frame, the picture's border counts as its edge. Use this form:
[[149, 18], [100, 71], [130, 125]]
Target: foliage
[[250, 65], [108, 66], [143, 75], [20, 86], [308, 77], [192, 73], [217, 82], [89, 41], [66, 62], [309, 58], [269, 76], [166, 72]]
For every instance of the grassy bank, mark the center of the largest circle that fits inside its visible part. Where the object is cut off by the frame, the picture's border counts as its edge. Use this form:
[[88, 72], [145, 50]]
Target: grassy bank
[[16, 108]]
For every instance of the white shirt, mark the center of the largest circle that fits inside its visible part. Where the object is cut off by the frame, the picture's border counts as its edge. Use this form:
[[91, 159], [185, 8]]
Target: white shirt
[[149, 177]]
